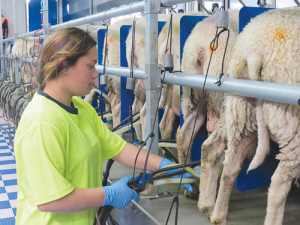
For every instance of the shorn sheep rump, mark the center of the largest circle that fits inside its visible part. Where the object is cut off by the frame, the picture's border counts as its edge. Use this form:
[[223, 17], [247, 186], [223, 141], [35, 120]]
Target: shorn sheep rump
[[139, 61], [195, 60], [268, 49], [113, 59], [170, 97]]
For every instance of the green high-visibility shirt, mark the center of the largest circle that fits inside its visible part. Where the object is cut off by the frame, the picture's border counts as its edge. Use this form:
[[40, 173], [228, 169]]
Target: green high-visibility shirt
[[59, 148]]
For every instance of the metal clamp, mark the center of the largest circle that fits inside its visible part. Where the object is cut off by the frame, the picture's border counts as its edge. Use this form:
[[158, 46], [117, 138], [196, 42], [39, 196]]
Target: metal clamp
[[130, 84], [222, 18], [168, 64], [103, 80]]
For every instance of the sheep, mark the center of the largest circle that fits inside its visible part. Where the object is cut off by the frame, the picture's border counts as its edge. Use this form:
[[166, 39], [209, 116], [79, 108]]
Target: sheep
[[267, 50], [113, 59], [195, 60], [92, 30], [26, 47], [139, 62], [170, 97]]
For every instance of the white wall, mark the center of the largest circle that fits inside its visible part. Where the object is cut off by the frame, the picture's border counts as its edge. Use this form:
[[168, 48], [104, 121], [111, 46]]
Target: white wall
[[7, 11]]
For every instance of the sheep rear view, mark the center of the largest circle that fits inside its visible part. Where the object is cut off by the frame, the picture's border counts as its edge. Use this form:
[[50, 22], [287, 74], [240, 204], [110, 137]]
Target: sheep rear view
[[267, 50]]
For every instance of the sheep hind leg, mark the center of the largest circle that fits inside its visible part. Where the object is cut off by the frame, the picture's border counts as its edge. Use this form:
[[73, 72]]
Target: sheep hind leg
[[167, 122], [210, 157], [278, 191], [183, 139], [137, 106], [184, 135], [143, 122], [234, 158]]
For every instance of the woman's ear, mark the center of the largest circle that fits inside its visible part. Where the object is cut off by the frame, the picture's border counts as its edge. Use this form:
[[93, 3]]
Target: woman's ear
[[63, 64]]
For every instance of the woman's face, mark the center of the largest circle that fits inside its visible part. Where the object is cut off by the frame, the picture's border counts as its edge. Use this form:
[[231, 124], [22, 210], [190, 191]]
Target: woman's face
[[79, 79]]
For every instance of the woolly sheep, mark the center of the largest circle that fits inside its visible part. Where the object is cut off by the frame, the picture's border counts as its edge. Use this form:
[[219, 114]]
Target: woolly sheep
[[113, 59], [196, 55], [267, 50], [170, 97], [139, 62]]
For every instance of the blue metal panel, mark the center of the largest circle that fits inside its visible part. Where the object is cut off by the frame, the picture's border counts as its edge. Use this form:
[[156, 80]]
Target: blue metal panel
[[66, 16], [77, 9], [101, 37], [35, 18], [187, 23], [261, 176], [52, 5], [127, 97], [246, 13]]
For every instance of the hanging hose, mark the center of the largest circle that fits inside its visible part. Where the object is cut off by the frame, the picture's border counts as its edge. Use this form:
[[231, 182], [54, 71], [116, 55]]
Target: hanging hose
[[131, 76], [213, 47], [103, 74]]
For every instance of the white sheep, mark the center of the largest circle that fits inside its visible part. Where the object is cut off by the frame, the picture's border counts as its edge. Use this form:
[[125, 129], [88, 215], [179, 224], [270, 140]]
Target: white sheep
[[267, 50], [196, 55], [170, 97], [113, 59], [139, 62]]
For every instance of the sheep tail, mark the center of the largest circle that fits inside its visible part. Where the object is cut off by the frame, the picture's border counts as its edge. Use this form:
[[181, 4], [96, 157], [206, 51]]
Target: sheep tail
[[263, 146]]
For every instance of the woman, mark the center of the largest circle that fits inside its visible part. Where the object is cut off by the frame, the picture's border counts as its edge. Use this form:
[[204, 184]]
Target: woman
[[61, 143]]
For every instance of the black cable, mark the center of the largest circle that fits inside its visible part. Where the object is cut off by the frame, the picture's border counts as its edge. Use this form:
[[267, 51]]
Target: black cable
[[123, 122], [131, 119], [213, 47], [222, 72], [169, 34], [131, 76], [174, 159], [150, 135], [132, 48], [105, 51], [101, 102]]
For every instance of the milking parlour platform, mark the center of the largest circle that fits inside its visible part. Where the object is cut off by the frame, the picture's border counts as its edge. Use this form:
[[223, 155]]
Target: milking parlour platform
[[245, 208]]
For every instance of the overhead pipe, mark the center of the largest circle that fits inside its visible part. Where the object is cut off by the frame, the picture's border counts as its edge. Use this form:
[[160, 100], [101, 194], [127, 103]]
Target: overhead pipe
[[297, 2], [114, 12], [46, 23], [285, 93], [169, 3]]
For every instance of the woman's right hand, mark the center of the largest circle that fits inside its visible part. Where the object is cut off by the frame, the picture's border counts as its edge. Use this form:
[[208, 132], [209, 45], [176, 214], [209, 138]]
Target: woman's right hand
[[118, 195]]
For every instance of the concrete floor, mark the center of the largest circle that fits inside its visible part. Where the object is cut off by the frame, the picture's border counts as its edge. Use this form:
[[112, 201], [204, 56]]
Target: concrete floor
[[245, 208]]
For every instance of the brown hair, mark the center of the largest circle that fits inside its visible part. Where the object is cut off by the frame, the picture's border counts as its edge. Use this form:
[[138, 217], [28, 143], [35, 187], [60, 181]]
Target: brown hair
[[70, 43]]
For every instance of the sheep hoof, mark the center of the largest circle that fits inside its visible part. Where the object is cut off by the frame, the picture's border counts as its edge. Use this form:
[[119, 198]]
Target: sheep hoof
[[218, 221], [194, 194], [207, 210]]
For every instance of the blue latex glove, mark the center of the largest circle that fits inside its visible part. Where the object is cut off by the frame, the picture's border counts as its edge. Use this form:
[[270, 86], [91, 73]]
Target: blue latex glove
[[166, 162], [118, 195]]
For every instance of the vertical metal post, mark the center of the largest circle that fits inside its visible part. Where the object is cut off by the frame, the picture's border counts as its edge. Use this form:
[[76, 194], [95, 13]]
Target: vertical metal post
[[46, 23], [95, 4], [15, 39], [152, 71], [91, 7], [59, 11], [226, 4], [274, 3]]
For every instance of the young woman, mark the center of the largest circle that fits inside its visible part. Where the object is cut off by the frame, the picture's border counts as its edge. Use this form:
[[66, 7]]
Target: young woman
[[61, 143]]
